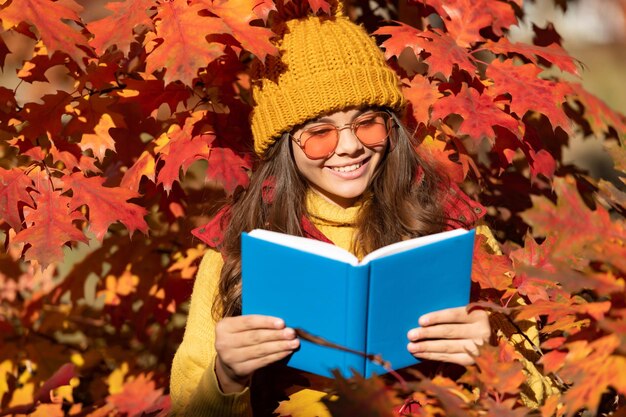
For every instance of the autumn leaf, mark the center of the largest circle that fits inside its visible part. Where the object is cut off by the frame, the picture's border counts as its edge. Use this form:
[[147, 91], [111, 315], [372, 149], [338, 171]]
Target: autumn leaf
[[422, 94], [183, 47], [529, 92], [465, 18], [553, 53], [592, 368], [100, 141], [117, 29], [499, 368], [139, 394], [149, 95], [144, 166], [479, 112], [49, 226], [53, 31], [13, 192], [490, 271], [237, 15], [599, 114], [228, 168], [444, 53], [577, 231], [317, 5], [179, 148], [107, 205]]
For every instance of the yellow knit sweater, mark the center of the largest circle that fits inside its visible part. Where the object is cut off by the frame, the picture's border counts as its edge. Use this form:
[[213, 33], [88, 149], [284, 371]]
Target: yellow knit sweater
[[193, 384]]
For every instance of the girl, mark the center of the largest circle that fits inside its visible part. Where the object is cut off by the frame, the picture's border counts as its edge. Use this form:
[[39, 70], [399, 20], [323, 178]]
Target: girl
[[335, 165]]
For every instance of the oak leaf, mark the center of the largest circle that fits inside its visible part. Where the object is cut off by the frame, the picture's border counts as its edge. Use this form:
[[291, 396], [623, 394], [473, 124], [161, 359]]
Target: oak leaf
[[49, 226], [553, 53], [107, 205], [228, 168], [422, 94], [179, 148], [464, 19], [139, 394], [444, 52], [100, 141], [117, 28], [490, 271], [500, 368], [529, 92], [479, 112], [53, 31], [13, 193]]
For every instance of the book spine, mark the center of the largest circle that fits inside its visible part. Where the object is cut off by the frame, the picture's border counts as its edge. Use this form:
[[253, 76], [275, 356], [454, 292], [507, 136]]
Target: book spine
[[356, 318]]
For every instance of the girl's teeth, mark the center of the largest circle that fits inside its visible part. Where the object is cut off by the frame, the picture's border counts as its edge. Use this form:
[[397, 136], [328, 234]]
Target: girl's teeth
[[347, 168]]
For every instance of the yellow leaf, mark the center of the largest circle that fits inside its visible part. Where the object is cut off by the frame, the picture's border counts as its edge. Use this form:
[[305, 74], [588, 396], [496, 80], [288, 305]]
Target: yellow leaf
[[6, 368], [303, 404], [100, 141], [22, 395], [115, 381]]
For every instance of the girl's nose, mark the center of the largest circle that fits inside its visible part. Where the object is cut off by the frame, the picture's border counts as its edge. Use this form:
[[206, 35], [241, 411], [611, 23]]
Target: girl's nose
[[348, 143]]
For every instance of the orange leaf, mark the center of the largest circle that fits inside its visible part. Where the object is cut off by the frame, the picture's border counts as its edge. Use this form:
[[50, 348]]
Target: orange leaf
[[53, 31], [107, 205], [13, 191], [117, 29], [49, 226]]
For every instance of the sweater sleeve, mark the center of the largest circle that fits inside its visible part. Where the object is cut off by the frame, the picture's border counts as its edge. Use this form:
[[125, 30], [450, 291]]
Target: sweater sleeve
[[537, 387], [194, 388]]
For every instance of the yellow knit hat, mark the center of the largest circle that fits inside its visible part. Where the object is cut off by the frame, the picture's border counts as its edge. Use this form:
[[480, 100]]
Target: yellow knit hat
[[327, 64]]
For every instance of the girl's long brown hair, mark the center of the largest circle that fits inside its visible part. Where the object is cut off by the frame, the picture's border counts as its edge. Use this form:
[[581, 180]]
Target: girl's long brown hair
[[404, 200]]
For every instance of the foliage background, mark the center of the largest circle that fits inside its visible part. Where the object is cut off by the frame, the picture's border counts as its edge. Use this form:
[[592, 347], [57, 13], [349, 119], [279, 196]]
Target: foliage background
[[128, 128]]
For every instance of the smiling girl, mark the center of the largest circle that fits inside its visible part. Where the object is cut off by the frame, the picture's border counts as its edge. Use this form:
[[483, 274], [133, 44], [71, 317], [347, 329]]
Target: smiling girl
[[337, 165]]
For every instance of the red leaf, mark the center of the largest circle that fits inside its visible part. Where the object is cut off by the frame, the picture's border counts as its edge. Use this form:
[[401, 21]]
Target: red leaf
[[529, 92], [117, 29], [553, 53], [179, 149], [184, 48], [500, 370], [228, 168], [53, 31], [138, 395], [45, 118], [317, 5], [578, 232], [444, 52], [237, 16], [479, 113], [13, 185], [598, 113], [465, 18], [422, 95], [60, 378], [49, 226], [144, 166], [151, 94], [490, 271], [107, 205]]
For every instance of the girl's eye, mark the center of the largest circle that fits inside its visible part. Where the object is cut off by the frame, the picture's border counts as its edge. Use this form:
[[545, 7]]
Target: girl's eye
[[319, 131], [369, 119]]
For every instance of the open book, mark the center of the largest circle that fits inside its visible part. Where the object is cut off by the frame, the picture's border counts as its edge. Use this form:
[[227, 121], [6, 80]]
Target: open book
[[367, 306]]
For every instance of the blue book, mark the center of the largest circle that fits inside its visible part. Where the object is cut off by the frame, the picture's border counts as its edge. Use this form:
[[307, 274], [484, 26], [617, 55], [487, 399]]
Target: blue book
[[368, 306]]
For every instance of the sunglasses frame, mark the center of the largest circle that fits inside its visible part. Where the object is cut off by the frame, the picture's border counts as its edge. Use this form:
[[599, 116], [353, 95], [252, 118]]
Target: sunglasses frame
[[352, 126]]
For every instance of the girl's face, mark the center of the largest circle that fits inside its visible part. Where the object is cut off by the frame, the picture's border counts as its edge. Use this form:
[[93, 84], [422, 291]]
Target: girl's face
[[345, 175]]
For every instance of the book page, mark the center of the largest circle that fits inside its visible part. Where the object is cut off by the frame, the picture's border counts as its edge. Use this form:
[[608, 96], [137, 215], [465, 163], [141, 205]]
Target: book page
[[304, 244], [411, 243]]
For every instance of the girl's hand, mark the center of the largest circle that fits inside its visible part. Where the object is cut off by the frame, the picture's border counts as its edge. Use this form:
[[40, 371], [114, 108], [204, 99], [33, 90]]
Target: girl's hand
[[451, 335], [247, 343]]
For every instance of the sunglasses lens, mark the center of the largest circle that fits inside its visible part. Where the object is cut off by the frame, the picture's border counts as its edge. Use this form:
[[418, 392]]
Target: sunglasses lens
[[320, 141], [373, 129]]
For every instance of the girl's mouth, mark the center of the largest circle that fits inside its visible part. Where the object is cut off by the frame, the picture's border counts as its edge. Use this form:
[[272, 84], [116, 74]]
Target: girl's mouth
[[350, 171]]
